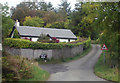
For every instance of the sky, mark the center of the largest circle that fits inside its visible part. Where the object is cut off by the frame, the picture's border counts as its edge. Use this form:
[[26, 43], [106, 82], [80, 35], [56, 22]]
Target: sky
[[54, 2]]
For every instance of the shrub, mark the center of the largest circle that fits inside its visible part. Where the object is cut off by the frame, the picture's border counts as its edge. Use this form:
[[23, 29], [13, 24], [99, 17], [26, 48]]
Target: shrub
[[21, 43], [86, 44], [15, 68], [43, 37]]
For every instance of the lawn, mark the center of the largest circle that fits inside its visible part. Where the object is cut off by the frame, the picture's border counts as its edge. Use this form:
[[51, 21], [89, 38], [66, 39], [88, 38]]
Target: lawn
[[104, 71]]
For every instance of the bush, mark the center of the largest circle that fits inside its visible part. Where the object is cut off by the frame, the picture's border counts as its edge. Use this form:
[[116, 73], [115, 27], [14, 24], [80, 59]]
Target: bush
[[15, 68], [43, 37], [86, 44], [21, 43], [47, 41]]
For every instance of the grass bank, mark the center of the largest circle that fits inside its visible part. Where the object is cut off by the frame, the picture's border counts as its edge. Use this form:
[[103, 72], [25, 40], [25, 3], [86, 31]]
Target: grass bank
[[39, 75], [62, 60], [18, 68], [104, 71]]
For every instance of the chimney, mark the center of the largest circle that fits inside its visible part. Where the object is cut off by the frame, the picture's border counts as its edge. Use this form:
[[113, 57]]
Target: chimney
[[17, 23]]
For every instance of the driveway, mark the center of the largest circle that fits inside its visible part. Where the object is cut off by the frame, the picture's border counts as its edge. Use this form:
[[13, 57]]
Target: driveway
[[78, 70]]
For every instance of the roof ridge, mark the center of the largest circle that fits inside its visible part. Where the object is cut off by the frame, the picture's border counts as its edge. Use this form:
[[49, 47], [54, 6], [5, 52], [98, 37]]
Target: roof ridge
[[43, 27]]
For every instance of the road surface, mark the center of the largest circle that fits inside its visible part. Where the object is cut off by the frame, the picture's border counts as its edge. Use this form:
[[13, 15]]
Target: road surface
[[78, 70]]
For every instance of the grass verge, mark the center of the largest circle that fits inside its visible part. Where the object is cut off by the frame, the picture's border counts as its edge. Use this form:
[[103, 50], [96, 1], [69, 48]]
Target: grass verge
[[39, 75], [18, 68], [104, 71], [62, 60]]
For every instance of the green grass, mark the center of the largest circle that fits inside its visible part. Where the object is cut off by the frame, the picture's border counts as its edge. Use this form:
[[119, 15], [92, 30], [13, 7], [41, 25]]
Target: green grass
[[104, 71], [62, 60], [39, 75], [27, 70]]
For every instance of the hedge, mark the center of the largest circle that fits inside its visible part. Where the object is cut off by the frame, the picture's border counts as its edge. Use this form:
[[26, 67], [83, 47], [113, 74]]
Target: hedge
[[22, 43]]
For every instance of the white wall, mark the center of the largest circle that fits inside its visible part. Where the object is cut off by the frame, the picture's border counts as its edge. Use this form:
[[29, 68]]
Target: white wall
[[65, 40], [60, 40], [34, 39], [72, 40]]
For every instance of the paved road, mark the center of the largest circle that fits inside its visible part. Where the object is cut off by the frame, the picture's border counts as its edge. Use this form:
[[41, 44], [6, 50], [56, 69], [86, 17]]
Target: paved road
[[78, 70]]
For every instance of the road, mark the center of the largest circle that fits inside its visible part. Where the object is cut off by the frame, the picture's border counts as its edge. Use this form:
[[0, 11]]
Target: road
[[78, 70]]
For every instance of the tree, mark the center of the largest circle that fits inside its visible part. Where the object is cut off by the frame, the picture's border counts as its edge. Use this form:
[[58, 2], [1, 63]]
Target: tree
[[5, 9], [20, 12], [44, 6], [82, 17], [31, 5], [50, 6], [33, 21], [65, 6], [12, 11], [51, 17], [58, 25], [62, 15], [7, 25], [108, 18], [32, 13], [19, 15], [7, 22]]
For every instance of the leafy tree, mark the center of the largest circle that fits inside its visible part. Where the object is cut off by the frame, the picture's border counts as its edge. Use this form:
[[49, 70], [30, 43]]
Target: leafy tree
[[62, 15], [19, 15], [65, 6], [31, 5], [51, 17], [90, 11], [32, 13], [5, 9], [44, 6], [108, 18], [20, 12], [12, 11], [7, 22], [33, 21], [50, 6], [7, 25], [58, 25], [83, 17]]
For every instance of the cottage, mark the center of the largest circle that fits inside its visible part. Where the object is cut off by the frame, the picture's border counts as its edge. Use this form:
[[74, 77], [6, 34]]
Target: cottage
[[32, 33]]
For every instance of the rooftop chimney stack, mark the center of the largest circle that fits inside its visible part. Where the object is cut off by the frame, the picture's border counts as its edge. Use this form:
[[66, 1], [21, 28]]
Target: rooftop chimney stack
[[17, 23]]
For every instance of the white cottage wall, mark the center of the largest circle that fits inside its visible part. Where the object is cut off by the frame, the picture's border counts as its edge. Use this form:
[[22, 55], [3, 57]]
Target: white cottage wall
[[34, 39], [65, 40]]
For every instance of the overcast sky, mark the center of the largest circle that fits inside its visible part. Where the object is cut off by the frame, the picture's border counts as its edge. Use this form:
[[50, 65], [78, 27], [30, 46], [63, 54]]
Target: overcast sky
[[54, 2]]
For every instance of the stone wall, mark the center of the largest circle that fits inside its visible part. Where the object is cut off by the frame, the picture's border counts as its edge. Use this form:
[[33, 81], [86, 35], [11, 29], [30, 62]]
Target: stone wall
[[52, 53]]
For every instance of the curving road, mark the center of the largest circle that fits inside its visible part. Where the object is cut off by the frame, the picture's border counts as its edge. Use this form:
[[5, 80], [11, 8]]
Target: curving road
[[78, 70]]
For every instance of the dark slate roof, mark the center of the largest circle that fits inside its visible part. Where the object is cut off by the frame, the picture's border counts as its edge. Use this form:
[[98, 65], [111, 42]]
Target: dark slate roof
[[36, 31]]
